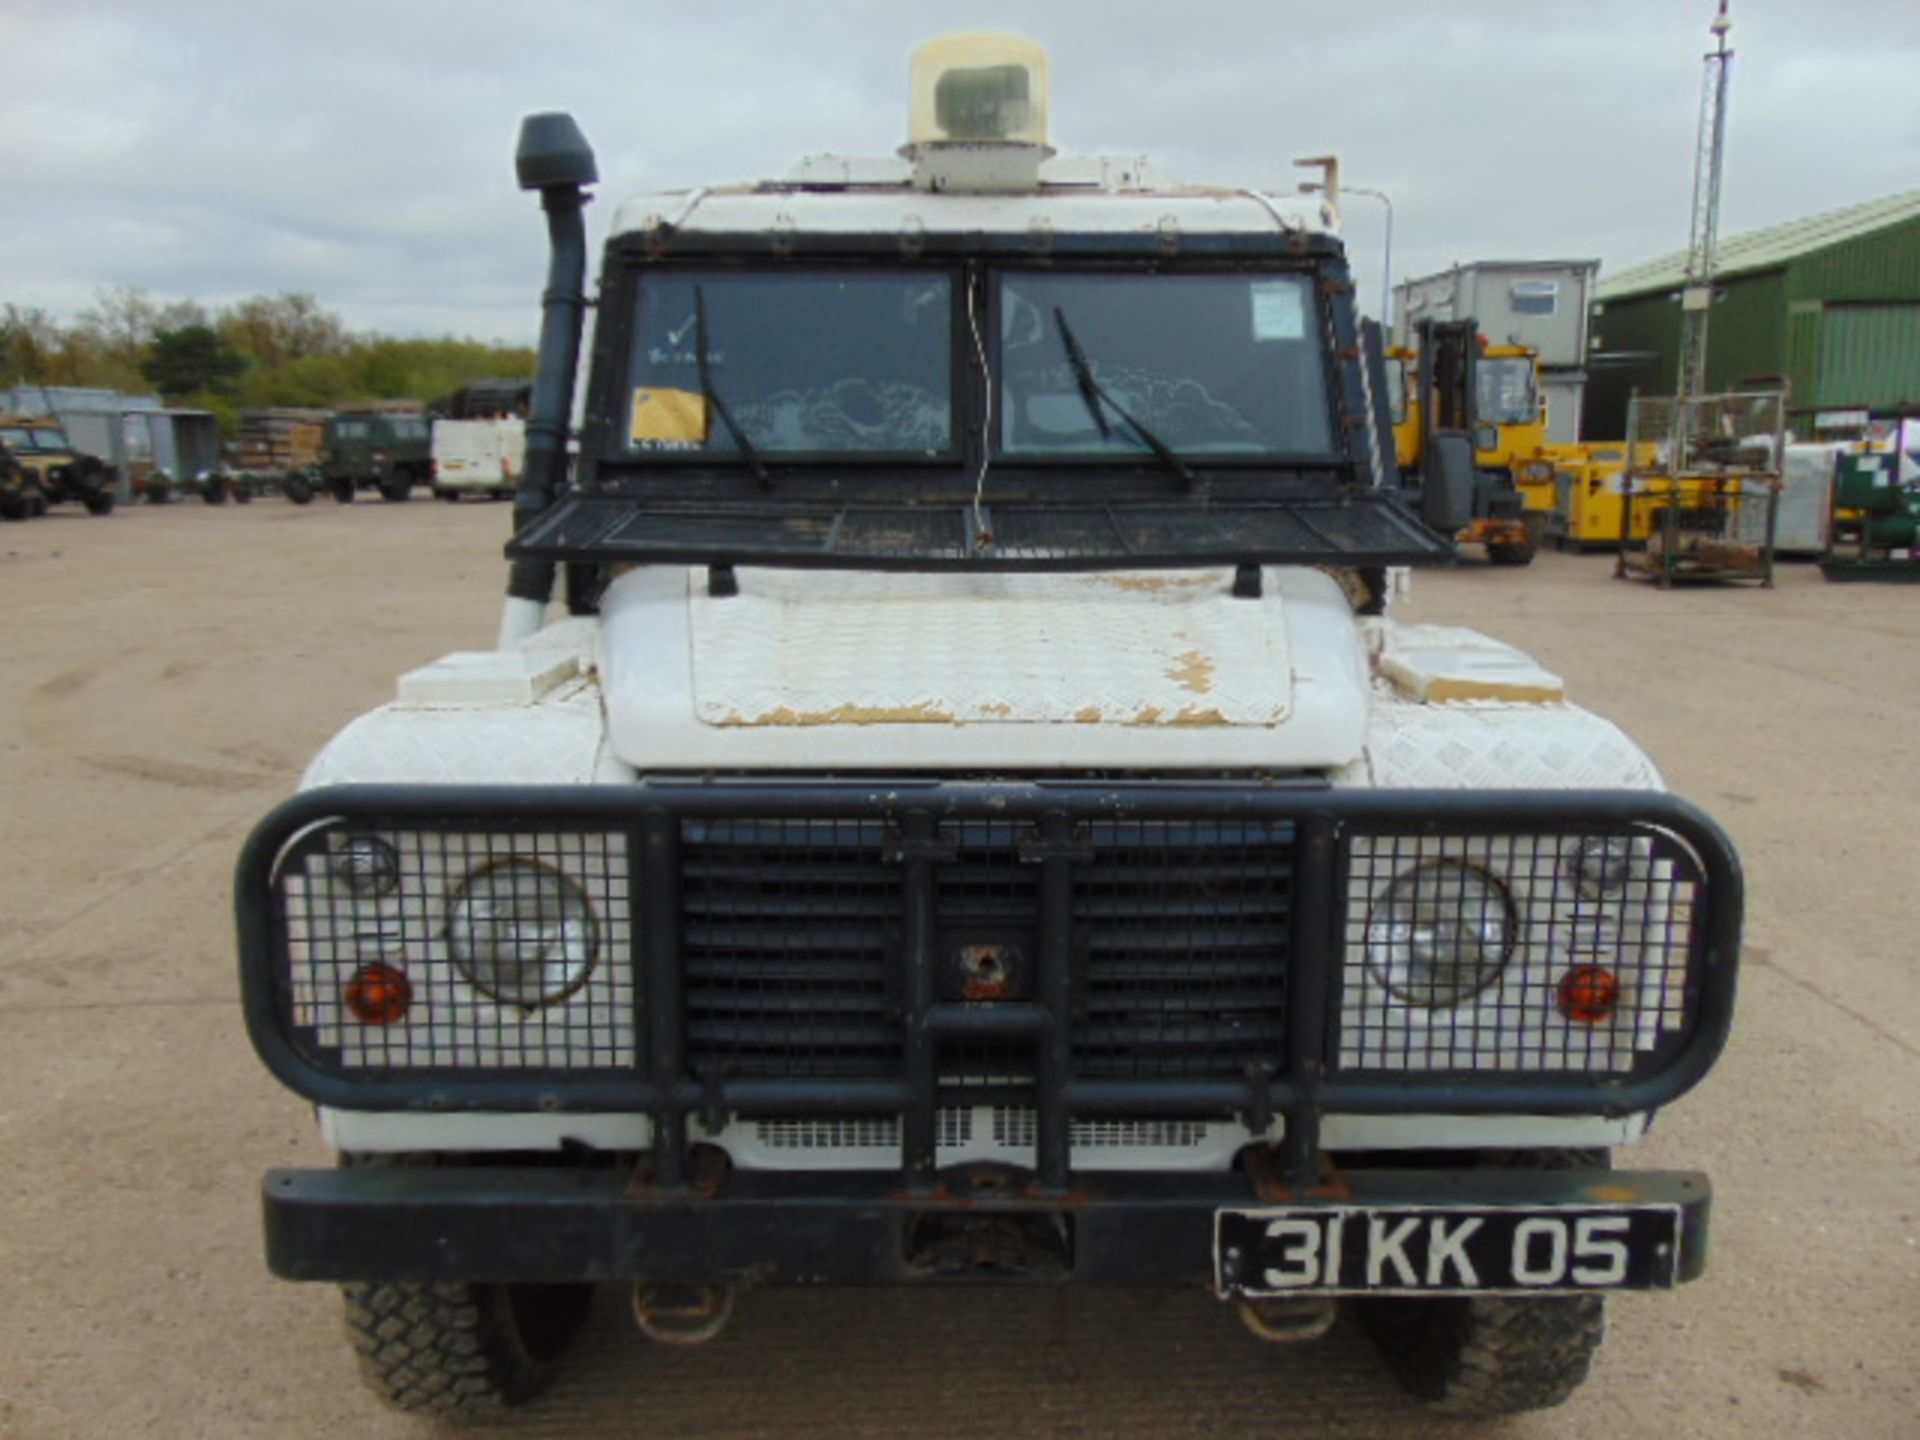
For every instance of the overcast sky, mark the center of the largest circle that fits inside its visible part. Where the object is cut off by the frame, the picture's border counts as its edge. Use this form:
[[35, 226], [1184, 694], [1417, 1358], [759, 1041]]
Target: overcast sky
[[361, 150]]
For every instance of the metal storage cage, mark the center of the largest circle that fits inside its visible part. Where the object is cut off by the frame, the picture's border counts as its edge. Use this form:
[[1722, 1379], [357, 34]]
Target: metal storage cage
[[1702, 486]]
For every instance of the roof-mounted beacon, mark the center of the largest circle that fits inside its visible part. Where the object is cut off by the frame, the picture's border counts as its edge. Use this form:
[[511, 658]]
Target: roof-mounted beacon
[[979, 113]]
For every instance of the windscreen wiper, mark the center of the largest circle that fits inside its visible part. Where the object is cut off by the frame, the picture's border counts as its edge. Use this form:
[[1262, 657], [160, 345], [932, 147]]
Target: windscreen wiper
[[1097, 395], [751, 455]]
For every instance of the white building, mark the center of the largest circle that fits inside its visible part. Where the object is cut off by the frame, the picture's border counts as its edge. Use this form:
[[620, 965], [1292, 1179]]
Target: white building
[[1540, 303]]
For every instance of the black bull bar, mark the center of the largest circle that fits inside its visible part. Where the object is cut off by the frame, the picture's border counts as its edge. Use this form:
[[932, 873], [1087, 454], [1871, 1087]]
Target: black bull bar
[[1322, 824]]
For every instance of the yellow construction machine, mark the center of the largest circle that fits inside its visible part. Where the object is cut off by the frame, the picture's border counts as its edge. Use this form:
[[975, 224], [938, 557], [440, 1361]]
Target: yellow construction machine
[[1452, 390]]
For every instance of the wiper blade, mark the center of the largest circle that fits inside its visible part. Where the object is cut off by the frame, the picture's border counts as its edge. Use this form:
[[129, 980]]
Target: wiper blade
[[1097, 395], [740, 440]]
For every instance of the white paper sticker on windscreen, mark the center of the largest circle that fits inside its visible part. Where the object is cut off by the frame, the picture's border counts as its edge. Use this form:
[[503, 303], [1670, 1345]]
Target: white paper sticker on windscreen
[[1279, 310]]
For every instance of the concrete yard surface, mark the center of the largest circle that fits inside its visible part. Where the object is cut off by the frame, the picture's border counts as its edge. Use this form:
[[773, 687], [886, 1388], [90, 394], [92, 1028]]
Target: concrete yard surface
[[168, 672]]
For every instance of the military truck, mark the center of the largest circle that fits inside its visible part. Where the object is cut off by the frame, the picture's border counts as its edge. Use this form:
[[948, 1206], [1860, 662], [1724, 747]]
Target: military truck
[[387, 448], [53, 471], [947, 803]]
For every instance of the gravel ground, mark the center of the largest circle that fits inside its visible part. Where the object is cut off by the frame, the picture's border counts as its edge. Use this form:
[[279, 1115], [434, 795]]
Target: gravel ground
[[168, 672]]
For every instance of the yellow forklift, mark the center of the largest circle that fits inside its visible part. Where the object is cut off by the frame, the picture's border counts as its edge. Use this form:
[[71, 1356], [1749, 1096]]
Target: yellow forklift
[[1456, 395]]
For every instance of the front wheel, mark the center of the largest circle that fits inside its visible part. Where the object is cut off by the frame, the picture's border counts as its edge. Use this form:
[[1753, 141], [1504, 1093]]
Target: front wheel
[[1519, 552], [213, 490], [100, 501], [461, 1350], [1488, 1355]]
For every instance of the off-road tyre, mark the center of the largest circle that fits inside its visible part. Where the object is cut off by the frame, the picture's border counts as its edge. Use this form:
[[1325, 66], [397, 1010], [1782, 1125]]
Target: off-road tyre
[[159, 489], [396, 492], [1516, 553], [100, 501], [214, 490], [297, 488], [1487, 1355], [461, 1350], [15, 505]]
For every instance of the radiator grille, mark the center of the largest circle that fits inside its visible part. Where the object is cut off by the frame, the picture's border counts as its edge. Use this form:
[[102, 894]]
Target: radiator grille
[[790, 929], [793, 932]]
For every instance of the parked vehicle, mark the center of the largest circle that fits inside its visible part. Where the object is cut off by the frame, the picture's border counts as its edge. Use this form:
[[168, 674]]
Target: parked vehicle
[[387, 449], [54, 472], [21, 497], [478, 457], [978, 822], [1468, 414]]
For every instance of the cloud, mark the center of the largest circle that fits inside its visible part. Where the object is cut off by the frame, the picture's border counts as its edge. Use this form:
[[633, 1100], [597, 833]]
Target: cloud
[[362, 151]]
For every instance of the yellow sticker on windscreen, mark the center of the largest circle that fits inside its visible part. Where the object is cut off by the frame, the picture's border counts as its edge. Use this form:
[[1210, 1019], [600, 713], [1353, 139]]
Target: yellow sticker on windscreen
[[665, 416]]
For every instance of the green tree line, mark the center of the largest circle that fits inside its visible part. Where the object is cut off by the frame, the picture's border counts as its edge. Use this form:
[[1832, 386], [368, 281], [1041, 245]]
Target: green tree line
[[263, 351]]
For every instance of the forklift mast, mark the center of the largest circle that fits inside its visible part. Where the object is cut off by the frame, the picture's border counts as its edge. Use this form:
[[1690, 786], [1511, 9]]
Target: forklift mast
[[1448, 349]]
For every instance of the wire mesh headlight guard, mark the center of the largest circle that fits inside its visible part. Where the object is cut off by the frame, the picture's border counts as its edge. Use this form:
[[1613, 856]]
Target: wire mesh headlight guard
[[1629, 901]]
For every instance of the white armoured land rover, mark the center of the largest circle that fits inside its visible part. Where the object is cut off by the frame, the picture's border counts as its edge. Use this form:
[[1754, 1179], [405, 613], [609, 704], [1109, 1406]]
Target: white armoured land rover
[[973, 820]]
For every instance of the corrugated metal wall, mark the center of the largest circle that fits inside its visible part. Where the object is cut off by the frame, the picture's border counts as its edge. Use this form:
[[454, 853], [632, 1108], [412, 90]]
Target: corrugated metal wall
[[1869, 356], [1842, 324], [1881, 266]]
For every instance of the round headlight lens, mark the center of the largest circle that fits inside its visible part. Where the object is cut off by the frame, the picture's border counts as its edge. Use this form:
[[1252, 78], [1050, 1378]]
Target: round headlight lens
[[1440, 933], [523, 932], [367, 866]]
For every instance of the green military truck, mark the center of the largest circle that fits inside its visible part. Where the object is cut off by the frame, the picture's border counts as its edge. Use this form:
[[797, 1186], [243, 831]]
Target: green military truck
[[389, 450]]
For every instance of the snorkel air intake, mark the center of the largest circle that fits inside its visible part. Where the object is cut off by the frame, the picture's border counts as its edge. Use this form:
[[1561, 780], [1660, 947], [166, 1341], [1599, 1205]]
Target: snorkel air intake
[[555, 159]]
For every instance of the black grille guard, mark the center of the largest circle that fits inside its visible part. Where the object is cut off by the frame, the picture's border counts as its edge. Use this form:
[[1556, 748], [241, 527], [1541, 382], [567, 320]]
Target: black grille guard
[[1324, 824]]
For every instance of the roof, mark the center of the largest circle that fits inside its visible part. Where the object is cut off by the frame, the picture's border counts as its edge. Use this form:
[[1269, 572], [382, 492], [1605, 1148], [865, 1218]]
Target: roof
[[1770, 248], [828, 195], [1466, 265]]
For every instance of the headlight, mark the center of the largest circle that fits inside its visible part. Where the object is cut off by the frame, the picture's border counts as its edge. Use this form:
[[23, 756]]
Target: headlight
[[523, 932], [1440, 933]]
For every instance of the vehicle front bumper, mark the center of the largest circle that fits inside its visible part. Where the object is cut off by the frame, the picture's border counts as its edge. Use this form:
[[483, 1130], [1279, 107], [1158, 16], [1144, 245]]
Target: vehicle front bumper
[[500, 1224]]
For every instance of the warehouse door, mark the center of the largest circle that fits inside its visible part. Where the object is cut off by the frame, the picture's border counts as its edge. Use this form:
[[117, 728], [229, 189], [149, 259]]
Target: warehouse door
[[1870, 355]]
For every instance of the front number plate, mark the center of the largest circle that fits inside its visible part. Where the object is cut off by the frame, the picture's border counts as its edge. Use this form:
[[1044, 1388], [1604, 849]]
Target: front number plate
[[1415, 1250]]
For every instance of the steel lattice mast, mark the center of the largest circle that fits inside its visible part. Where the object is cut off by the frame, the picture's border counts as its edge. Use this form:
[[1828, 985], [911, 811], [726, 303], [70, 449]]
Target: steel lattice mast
[[1697, 295]]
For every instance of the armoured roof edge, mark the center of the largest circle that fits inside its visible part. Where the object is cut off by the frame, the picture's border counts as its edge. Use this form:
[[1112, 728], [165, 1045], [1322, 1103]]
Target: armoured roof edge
[[835, 195]]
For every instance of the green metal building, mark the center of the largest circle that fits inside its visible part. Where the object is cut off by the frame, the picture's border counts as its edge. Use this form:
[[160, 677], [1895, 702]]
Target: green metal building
[[1830, 304]]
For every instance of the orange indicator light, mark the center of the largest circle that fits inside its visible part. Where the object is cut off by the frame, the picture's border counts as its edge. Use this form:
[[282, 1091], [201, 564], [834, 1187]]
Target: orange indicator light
[[1589, 994], [378, 994]]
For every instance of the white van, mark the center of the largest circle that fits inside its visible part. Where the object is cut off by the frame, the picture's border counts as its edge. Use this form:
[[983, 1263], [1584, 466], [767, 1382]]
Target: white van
[[478, 457]]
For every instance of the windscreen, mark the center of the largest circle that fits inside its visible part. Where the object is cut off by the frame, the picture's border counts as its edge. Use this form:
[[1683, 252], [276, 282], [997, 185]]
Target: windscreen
[[1207, 364], [803, 362], [1506, 395]]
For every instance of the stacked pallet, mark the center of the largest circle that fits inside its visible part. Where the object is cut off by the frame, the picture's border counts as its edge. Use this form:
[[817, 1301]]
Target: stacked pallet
[[280, 439]]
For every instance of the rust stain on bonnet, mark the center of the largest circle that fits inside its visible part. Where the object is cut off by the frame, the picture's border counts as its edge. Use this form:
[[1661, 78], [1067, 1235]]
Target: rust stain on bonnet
[[920, 713], [1087, 715], [1194, 672], [1158, 584]]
